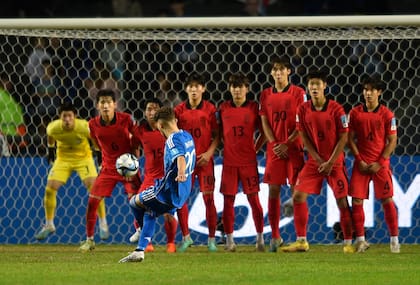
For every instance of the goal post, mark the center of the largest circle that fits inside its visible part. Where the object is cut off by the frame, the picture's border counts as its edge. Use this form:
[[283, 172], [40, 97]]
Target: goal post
[[146, 57]]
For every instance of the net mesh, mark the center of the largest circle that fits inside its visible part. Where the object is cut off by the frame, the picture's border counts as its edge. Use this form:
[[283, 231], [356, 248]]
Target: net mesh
[[42, 67]]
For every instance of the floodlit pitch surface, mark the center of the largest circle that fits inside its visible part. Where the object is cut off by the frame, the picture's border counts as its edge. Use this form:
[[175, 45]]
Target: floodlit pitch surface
[[323, 264]]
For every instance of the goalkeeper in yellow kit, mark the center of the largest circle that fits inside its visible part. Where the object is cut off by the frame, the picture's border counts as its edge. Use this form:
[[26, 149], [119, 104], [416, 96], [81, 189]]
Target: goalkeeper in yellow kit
[[69, 138]]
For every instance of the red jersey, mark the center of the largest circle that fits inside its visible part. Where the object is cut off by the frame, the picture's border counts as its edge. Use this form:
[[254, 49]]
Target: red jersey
[[280, 109], [153, 144], [371, 130], [199, 122], [238, 130], [113, 139], [323, 127]]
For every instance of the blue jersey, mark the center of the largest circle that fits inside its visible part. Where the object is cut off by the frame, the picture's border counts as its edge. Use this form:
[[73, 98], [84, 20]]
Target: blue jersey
[[179, 144], [167, 194]]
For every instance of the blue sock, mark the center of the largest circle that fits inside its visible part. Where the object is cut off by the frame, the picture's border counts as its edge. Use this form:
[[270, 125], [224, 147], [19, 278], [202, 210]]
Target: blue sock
[[137, 211], [147, 231]]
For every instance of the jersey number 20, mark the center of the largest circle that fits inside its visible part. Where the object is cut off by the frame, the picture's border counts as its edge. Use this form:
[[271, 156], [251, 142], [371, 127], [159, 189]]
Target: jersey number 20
[[189, 159]]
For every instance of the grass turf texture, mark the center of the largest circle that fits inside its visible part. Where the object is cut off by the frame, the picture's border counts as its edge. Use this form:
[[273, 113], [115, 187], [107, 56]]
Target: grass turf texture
[[323, 264]]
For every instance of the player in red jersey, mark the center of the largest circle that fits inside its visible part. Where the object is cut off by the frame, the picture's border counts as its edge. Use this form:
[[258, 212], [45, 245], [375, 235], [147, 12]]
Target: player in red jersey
[[279, 104], [239, 120], [372, 139], [111, 133], [153, 144], [198, 117], [323, 127]]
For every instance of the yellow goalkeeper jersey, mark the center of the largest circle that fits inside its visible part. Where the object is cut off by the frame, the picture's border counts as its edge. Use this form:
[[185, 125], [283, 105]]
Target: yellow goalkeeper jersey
[[71, 145]]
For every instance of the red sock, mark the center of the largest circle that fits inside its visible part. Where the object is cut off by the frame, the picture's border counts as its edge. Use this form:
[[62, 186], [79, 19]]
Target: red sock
[[170, 227], [391, 218], [358, 215], [211, 214], [183, 219], [91, 216], [274, 216], [257, 212], [301, 214], [228, 213], [345, 223]]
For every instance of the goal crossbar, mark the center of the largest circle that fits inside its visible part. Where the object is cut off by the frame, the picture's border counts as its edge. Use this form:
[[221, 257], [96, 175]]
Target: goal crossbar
[[259, 29], [210, 22]]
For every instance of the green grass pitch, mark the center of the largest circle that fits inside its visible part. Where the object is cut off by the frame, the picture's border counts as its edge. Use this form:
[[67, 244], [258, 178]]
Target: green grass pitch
[[323, 264]]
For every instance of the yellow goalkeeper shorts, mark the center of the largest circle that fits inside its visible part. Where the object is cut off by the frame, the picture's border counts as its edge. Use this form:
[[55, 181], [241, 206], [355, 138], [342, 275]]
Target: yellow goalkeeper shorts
[[62, 169]]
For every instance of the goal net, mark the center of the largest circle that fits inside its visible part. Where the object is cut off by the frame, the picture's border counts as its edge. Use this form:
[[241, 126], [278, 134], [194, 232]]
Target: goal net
[[43, 62]]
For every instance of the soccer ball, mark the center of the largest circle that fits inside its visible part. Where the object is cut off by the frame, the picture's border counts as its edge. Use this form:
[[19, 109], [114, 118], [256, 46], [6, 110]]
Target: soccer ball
[[127, 165]]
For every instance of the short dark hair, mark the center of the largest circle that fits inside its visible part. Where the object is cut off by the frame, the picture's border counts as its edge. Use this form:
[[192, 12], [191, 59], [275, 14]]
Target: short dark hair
[[282, 61], [67, 106], [195, 78], [105, 93], [374, 82], [238, 79], [165, 113], [318, 74], [155, 101]]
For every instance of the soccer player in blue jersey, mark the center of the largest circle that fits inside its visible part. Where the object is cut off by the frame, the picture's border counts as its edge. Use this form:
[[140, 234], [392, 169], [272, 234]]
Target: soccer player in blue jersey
[[170, 192]]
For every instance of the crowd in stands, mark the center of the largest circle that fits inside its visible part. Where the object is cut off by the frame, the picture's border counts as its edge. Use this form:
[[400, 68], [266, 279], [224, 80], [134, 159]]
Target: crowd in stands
[[179, 8], [60, 69], [54, 70]]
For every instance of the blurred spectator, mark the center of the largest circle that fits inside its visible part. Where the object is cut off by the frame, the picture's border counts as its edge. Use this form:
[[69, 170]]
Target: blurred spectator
[[55, 51], [101, 78], [165, 93], [333, 7], [47, 97], [162, 12], [4, 146], [253, 8], [57, 48], [112, 55], [34, 68], [11, 115], [139, 8], [12, 125], [177, 8], [127, 8]]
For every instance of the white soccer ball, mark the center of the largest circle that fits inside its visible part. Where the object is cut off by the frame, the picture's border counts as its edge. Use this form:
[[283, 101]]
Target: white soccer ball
[[127, 165]]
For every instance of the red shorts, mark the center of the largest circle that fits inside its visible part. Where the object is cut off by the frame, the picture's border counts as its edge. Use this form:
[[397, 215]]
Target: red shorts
[[248, 175], [205, 175], [147, 182], [382, 184], [108, 179], [278, 170], [310, 180]]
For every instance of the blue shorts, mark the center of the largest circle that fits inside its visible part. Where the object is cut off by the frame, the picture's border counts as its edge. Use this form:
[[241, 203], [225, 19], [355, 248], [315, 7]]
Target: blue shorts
[[156, 201]]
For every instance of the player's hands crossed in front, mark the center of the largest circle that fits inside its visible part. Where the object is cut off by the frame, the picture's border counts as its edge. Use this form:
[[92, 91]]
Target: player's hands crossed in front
[[325, 168], [363, 167], [280, 149], [371, 168]]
